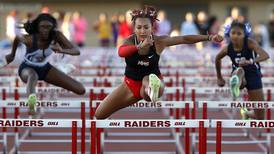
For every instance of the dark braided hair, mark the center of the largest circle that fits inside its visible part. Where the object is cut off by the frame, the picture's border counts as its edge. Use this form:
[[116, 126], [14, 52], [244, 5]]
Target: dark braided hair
[[245, 27], [31, 27], [147, 12]]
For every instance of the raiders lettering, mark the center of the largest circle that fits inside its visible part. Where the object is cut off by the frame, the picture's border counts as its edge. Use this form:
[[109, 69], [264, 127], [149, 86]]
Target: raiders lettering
[[146, 104], [147, 124], [40, 104], [255, 124], [51, 90], [249, 105], [222, 90], [18, 123]]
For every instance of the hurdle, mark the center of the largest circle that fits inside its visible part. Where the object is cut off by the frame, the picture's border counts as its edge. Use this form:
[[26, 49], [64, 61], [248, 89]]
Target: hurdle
[[94, 92], [178, 91], [91, 105], [43, 103], [88, 88], [251, 124], [45, 123], [99, 89], [186, 105], [97, 126], [268, 105], [220, 90], [205, 105]]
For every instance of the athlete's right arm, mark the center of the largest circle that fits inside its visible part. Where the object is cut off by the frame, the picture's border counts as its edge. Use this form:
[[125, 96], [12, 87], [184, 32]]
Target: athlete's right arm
[[18, 39], [127, 48], [218, 65]]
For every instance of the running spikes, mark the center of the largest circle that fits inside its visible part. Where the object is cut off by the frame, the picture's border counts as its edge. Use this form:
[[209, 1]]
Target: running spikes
[[154, 87], [234, 86], [32, 104]]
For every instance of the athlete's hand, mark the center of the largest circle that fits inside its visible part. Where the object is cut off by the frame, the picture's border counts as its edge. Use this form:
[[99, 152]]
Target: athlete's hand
[[143, 47], [56, 47], [147, 42], [221, 82], [244, 62], [9, 58], [216, 38]]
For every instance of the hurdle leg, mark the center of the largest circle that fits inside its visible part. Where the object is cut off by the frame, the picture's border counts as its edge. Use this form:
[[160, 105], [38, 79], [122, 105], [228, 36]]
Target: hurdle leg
[[16, 136], [93, 137], [187, 150], [74, 137], [219, 138], [202, 149], [4, 116], [98, 140], [83, 128], [193, 113], [268, 144]]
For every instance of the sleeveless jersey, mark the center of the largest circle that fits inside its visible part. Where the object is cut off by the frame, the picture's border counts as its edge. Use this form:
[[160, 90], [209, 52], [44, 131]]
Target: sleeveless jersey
[[138, 66], [35, 56], [244, 53]]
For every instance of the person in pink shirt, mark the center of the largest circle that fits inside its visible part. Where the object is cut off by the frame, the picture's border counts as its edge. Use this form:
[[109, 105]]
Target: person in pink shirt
[[80, 28]]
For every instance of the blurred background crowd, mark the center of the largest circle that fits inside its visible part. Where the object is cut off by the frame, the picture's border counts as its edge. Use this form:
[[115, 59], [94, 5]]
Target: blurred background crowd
[[107, 28]]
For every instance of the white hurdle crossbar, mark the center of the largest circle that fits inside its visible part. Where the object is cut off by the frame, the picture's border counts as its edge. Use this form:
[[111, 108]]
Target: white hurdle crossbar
[[97, 126]]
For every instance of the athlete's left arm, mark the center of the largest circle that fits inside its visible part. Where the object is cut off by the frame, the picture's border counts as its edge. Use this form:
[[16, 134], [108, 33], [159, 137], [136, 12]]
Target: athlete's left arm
[[190, 39], [63, 45], [263, 55]]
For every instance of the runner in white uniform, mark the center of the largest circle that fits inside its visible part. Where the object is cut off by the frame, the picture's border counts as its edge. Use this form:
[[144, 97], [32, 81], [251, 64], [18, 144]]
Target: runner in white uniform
[[42, 40]]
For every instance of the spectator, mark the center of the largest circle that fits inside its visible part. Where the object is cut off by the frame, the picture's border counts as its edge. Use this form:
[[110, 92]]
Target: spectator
[[214, 28], [188, 27], [115, 28], [103, 27], [261, 35], [125, 28], [80, 29], [271, 29], [45, 9], [67, 26], [202, 23], [235, 13], [163, 27], [11, 27]]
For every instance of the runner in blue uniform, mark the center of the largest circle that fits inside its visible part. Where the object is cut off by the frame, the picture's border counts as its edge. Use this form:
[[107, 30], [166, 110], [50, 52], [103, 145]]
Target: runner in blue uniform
[[245, 55]]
